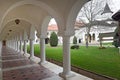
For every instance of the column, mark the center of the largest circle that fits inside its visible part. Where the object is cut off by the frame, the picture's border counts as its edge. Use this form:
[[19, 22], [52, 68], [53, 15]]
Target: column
[[21, 48], [25, 37], [32, 38], [42, 51], [66, 58], [20, 42], [17, 44], [13, 44], [25, 47], [31, 49]]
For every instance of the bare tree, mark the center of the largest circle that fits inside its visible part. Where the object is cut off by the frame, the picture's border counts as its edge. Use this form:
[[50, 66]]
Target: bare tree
[[88, 15]]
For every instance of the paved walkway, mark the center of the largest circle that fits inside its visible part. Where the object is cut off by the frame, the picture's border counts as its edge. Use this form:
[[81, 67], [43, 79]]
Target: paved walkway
[[15, 66]]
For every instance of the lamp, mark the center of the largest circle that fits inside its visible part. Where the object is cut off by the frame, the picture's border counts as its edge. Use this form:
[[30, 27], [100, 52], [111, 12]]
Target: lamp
[[10, 30], [17, 21]]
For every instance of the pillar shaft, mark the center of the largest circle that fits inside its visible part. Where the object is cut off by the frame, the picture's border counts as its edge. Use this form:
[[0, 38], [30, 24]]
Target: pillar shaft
[[21, 48], [42, 50], [17, 46], [25, 46], [31, 48], [66, 56]]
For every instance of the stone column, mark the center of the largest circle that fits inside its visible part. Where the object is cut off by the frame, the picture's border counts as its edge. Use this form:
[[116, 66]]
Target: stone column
[[25, 37], [18, 46], [32, 38], [25, 47], [20, 42], [31, 49], [15, 43], [21, 48], [66, 58], [12, 44], [42, 51]]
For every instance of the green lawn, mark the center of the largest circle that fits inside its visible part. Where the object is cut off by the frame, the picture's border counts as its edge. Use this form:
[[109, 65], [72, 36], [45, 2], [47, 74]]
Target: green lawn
[[102, 61]]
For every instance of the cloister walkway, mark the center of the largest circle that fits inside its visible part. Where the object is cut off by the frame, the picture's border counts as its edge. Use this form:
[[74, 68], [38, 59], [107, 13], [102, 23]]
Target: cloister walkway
[[17, 67]]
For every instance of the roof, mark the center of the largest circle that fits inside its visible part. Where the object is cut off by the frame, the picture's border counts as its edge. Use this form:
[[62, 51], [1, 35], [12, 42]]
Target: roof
[[79, 24], [53, 27], [116, 16]]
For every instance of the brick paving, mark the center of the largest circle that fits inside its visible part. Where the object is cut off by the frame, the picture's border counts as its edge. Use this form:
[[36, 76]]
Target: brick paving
[[17, 67]]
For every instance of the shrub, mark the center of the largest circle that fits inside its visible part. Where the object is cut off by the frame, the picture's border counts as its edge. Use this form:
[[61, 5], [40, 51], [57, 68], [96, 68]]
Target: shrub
[[75, 40], [75, 47], [46, 40], [53, 39], [102, 47], [116, 42]]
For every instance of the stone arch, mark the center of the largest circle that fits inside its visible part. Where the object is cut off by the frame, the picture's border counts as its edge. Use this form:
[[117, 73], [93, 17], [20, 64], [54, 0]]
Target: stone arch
[[41, 4], [72, 16], [42, 29]]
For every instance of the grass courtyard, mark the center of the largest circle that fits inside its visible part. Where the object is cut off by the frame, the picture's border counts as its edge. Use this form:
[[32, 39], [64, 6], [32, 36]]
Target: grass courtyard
[[102, 61]]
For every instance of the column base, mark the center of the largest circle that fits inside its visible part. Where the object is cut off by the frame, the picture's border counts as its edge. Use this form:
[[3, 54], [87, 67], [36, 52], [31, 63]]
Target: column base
[[22, 52], [31, 58], [66, 76], [42, 63], [18, 50]]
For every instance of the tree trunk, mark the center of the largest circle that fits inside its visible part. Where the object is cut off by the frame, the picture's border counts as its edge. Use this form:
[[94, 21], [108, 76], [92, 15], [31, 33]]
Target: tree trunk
[[87, 38]]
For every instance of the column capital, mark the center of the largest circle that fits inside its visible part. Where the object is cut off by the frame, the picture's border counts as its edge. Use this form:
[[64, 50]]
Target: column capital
[[68, 33], [41, 35], [32, 33], [25, 36]]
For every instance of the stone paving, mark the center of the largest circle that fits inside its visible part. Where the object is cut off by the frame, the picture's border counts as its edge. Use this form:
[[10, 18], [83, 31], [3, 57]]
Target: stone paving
[[17, 67]]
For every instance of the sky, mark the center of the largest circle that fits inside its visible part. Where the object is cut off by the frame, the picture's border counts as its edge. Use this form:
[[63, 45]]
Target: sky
[[52, 21], [114, 5]]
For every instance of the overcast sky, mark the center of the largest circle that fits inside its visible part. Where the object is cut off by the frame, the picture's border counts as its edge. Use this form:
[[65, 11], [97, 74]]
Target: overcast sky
[[114, 5]]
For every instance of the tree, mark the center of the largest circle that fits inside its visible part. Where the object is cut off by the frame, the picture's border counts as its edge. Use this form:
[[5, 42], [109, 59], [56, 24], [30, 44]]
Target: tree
[[53, 39], [75, 40], [89, 13]]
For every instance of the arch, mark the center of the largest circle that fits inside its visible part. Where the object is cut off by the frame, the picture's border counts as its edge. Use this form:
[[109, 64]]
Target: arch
[[41, 4], [44, 26], [72, 16]]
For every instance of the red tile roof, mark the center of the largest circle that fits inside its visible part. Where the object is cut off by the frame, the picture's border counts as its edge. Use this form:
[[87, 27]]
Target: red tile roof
[[79, 24], [53, 27]]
